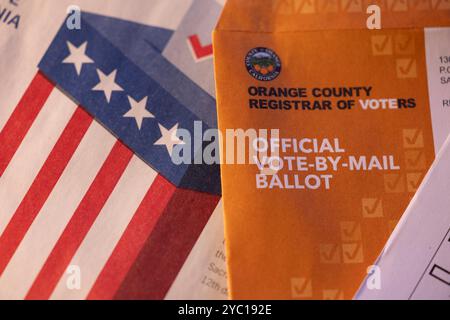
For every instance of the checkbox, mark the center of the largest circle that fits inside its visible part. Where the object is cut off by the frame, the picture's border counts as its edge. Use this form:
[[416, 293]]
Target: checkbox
[[420, 5], [381, 45], [441, 4], [394, 183], [406, 68], [350, 231], [415, 160], [333, 294], [301, 288], [352, 5], [330, 254], [405, 44], [353, 253], [306, 7], [413, 138], [413, 181], [372, 208], [327, 6], [398, 5]]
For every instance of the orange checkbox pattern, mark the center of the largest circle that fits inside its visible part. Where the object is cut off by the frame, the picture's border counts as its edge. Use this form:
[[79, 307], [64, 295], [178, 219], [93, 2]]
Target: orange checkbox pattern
[[415, 160], [420, 5], [381, 45], [350, 231], [330, 253], [352, 5], [413, 180], [394, 183], [306, 7], [333, 294], [398, 5], [301, 288], [413, 138], [406, 68], [327, 6], [440, 4], [352, 253], [372, 207], [400, 46], [404, 44]]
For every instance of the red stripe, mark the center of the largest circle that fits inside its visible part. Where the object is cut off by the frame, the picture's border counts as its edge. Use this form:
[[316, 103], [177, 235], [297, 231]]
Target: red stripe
[[133, 239], [22, 118], [168, 246], [42, 186], [81, 221]]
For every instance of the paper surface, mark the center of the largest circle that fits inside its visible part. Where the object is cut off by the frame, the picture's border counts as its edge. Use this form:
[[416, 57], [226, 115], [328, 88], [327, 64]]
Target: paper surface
[[81, 215], [355, 110]]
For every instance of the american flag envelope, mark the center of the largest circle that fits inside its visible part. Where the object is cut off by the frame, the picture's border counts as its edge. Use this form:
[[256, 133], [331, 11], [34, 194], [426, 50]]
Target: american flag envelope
[[91, 204]]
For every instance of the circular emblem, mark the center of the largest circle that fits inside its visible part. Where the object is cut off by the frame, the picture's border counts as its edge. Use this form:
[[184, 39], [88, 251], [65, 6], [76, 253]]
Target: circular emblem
[[263, 64]]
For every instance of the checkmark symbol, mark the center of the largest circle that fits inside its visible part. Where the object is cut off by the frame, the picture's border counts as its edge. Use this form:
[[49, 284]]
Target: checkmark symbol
[[301, 287], [404, 43], [413, 138], [421, 4], [350, 231], [415, 160], [328, 6], [381, 45], [393, 183], [406, 68], [372, 207], [441, 4], [413, 181], [398, 5], [353, 6], [329, 253], [333, 294], [307, 6], [353, 253]]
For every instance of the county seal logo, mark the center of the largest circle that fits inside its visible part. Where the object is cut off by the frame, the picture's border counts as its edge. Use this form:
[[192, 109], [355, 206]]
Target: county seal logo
[[263, 64]]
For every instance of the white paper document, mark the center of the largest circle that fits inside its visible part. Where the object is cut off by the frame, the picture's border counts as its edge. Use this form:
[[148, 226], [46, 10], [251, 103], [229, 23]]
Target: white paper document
[[415, 263]]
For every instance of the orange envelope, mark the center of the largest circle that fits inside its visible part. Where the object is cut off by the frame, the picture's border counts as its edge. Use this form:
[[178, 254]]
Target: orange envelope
[[344, 122]]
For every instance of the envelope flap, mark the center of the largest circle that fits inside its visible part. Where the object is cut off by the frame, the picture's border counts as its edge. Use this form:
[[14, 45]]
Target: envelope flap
[[303, 15]]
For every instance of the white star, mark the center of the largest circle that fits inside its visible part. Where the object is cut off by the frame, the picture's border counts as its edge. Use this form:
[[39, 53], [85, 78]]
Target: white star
[[169, 138], [77, 56], [107, 84], [138, 111]]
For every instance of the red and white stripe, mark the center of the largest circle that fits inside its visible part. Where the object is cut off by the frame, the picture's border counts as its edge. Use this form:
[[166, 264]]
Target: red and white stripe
[[72, 194]]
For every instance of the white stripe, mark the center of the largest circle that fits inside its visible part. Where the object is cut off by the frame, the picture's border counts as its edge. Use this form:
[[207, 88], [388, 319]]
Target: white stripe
[[56, 213], [32, 153], [14, 85], [105, 233]]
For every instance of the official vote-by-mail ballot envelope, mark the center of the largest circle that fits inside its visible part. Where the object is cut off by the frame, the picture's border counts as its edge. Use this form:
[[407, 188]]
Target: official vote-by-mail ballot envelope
[[338, 125], [415, 263]]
